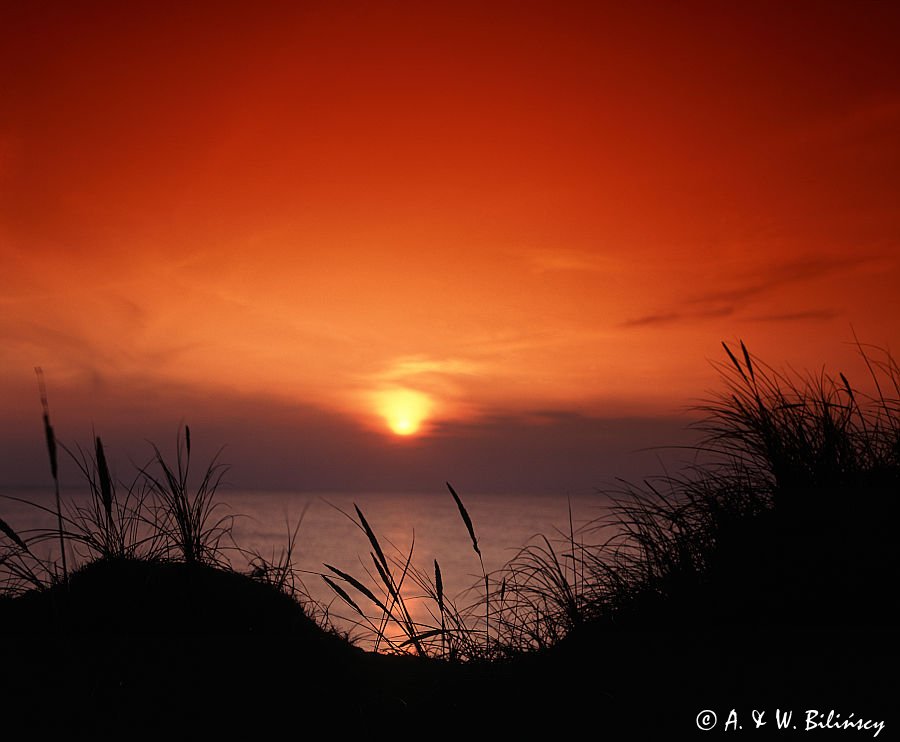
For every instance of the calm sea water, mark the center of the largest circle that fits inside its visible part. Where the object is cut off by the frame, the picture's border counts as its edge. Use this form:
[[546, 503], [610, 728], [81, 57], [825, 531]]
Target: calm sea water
[[428, 524]]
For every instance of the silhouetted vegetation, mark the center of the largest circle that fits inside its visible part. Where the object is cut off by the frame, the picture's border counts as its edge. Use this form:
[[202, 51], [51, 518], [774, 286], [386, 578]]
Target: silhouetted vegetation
[[785, 526], [789, 516]]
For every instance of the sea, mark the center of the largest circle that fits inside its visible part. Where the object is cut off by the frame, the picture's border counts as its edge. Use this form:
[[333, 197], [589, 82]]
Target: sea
[[414, 529]]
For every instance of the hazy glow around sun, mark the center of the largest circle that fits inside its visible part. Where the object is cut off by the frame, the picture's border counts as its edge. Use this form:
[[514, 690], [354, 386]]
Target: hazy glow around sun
[[404, 410]]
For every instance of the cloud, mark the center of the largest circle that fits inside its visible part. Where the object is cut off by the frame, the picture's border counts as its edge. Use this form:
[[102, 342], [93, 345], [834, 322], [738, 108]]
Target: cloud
[[418, 366], [769, 278], [669, 318], [546, 260], [664, 318], [753, 286], [810, 314]]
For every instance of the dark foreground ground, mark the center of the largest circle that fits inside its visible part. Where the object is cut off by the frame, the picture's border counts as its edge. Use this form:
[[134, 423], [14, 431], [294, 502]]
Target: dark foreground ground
[[133, 649]]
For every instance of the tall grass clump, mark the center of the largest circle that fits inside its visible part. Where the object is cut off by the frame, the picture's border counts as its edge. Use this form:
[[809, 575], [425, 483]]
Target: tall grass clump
[[187, 516], [393, 589], [811, 437], [393, 625], [159, 515], [788, 517], [115, 522], [167, 512], [540, 594]]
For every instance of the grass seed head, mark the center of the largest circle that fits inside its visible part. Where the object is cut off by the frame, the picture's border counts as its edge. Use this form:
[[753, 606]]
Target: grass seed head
[[466, 519], [13, 536]]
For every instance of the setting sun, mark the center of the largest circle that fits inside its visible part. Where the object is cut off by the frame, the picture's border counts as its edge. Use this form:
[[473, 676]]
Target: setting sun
[[404, 410]]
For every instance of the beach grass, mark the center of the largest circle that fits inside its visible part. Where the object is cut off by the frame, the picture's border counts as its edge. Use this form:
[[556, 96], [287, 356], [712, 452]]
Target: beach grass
[[784, 520], [787, 516]]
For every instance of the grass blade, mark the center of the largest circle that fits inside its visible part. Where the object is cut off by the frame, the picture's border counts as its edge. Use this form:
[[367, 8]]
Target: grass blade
[[371, 536], [54, 465], [358, 585], [466, 519], [735, 361], [343, 595], [13, 536]]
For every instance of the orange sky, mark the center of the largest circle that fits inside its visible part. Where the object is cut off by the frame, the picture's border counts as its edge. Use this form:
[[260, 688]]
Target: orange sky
[[500, 211]]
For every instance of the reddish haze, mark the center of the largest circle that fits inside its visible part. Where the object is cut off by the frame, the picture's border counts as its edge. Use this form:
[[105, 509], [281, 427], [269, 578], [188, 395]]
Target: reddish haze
[[485, 210]]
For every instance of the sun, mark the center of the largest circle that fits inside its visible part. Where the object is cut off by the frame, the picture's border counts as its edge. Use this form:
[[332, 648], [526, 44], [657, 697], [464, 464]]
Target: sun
[[404, 410], [403, 426]]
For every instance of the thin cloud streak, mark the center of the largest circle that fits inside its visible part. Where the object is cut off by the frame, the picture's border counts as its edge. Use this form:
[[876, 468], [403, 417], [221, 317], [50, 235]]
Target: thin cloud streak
[[756, 285], [670, 318], [788, 273], [811, 314]]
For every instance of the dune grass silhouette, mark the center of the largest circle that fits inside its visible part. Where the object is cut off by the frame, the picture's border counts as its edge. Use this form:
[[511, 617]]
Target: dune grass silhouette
[[777, 541]]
